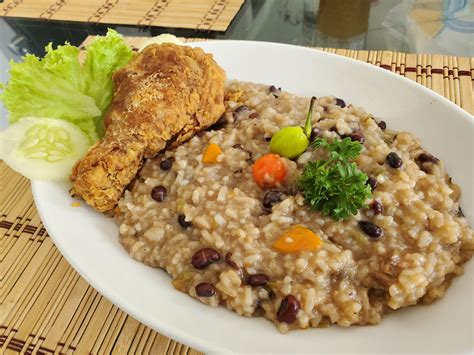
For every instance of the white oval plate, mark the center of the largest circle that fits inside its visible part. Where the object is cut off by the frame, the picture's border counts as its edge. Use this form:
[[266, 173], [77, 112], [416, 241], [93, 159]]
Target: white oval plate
[[89, 241]]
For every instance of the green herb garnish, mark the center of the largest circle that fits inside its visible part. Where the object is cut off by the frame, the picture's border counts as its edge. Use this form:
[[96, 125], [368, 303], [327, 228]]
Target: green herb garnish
[[335, 186]]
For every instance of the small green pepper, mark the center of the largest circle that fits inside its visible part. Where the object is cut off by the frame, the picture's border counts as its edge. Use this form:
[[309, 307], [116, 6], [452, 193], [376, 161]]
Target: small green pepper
[[291, 142]]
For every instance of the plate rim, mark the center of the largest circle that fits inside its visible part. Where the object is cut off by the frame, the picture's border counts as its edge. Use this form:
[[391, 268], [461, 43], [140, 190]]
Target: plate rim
[[161, 326]]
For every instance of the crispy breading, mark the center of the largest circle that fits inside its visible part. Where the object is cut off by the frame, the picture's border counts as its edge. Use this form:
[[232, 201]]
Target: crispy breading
[[165, 95]]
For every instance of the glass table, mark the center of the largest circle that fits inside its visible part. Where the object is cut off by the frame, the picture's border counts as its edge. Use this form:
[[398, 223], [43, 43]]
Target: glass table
[[425, 26], [428, 26]]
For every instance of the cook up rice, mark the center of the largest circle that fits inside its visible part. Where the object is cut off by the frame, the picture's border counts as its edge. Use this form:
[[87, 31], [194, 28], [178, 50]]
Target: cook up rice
[[352, 278]]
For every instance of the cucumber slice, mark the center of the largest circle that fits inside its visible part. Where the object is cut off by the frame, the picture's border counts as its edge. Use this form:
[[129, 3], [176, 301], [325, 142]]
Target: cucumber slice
[[43, 148]]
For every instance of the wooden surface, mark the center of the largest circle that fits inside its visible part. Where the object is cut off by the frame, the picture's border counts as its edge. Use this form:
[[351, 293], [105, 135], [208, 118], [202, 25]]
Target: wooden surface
[[45, 306], [214, 15]]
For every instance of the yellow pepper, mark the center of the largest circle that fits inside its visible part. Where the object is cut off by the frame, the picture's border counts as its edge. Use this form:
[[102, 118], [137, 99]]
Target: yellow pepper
[[211, 153], [297, 238]]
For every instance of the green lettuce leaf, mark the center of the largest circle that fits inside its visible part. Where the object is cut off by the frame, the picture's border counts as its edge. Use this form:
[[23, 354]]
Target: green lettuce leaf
[[58, 86], [104, 56], [64, 62], [33, 90]]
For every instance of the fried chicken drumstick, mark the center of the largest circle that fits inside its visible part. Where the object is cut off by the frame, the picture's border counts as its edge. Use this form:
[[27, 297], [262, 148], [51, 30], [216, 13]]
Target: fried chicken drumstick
[[165, 95]]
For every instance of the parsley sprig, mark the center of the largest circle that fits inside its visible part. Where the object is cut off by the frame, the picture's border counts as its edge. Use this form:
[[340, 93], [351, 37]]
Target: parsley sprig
[[335, 186]]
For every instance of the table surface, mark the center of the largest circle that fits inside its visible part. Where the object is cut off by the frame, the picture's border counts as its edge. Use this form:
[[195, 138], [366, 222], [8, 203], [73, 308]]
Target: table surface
[[429, 26], [277, 21]]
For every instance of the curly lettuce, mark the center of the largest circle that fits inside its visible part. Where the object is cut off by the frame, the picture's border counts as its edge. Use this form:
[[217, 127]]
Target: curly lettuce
[[59, 86]]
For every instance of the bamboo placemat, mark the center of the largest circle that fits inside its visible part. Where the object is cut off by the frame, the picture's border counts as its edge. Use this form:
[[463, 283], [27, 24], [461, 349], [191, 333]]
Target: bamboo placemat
[[46, 307], [215, 15]]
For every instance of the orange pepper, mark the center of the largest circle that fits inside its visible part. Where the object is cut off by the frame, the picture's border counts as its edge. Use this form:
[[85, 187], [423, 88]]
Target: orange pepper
[[269, 170], [297, 238], [211, 153]]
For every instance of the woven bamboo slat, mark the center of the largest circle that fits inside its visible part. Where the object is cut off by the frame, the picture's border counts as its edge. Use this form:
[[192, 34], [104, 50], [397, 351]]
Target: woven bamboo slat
[[46, 307], [208, 15]]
